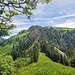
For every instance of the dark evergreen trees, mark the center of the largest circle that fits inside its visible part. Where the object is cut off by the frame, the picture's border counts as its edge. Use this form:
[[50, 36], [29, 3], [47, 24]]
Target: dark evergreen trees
[[61, 59], [73, 62], [50, 41], [36, 48], [21, 51]]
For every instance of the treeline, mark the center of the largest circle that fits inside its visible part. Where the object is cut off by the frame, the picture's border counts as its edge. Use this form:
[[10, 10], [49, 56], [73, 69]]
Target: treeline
[[30, 49], [26, 46], [26, 49], [49, 49], [65, 39]]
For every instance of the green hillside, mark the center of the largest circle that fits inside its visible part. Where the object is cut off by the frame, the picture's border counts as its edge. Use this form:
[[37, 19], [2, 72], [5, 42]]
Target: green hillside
[[61, 28], [45, 66], [32, 52], [6, 46], [64, 28]]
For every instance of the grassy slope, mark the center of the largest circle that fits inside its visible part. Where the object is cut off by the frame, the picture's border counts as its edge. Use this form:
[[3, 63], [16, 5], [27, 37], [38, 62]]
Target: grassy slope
[[61, 28], [45, 66], [7, 48], [64, 28]]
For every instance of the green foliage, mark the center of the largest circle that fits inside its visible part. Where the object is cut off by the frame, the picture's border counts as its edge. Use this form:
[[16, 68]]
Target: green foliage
[[73, 62], [7, 45], [15, 55], [5, 49], [6, 66], [33, 52], [25, 46], [49, 50], [24, 49], [14, 12], [21, 62], [4, 28], [45, 66], [61, 28], [15, 7]]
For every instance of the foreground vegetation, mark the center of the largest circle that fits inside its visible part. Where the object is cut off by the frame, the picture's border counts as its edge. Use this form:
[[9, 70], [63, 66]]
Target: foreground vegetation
[[19, 55], [45, 66]]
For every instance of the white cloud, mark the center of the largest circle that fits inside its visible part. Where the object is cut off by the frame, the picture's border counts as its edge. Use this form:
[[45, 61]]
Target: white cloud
[[19, 22], [70, 20], [68, 25], [51, 21], [65, 16], [55, 18]]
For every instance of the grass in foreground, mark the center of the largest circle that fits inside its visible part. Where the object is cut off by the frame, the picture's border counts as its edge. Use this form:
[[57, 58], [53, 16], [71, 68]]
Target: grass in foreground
[[45, 66]]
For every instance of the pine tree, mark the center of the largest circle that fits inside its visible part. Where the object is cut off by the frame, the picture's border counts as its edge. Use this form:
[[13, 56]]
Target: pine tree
[[66, 62], [61, 59], [36, 51]]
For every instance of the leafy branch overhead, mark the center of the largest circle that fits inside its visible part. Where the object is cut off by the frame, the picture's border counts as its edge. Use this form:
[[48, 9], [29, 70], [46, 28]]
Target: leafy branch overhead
[[9, 8]]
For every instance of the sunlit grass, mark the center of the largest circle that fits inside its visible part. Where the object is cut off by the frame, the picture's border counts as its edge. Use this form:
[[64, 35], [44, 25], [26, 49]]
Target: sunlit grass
[[45, 66]]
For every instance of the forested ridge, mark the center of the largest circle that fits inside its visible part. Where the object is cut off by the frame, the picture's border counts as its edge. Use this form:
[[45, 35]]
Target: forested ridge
[[23, 49]]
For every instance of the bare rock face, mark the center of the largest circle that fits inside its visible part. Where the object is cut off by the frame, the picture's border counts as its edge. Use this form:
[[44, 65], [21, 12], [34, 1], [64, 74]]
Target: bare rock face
[[60, 52], [36, 33], [59, 36]]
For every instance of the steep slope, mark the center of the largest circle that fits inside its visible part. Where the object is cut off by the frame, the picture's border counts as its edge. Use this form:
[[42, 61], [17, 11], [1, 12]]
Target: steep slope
[[24, 48], [7, 45], [63, 38], [45, 66], [48, 38]]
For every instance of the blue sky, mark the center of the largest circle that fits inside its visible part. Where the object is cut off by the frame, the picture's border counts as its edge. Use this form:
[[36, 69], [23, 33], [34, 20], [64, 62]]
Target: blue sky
[[58, 13]]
